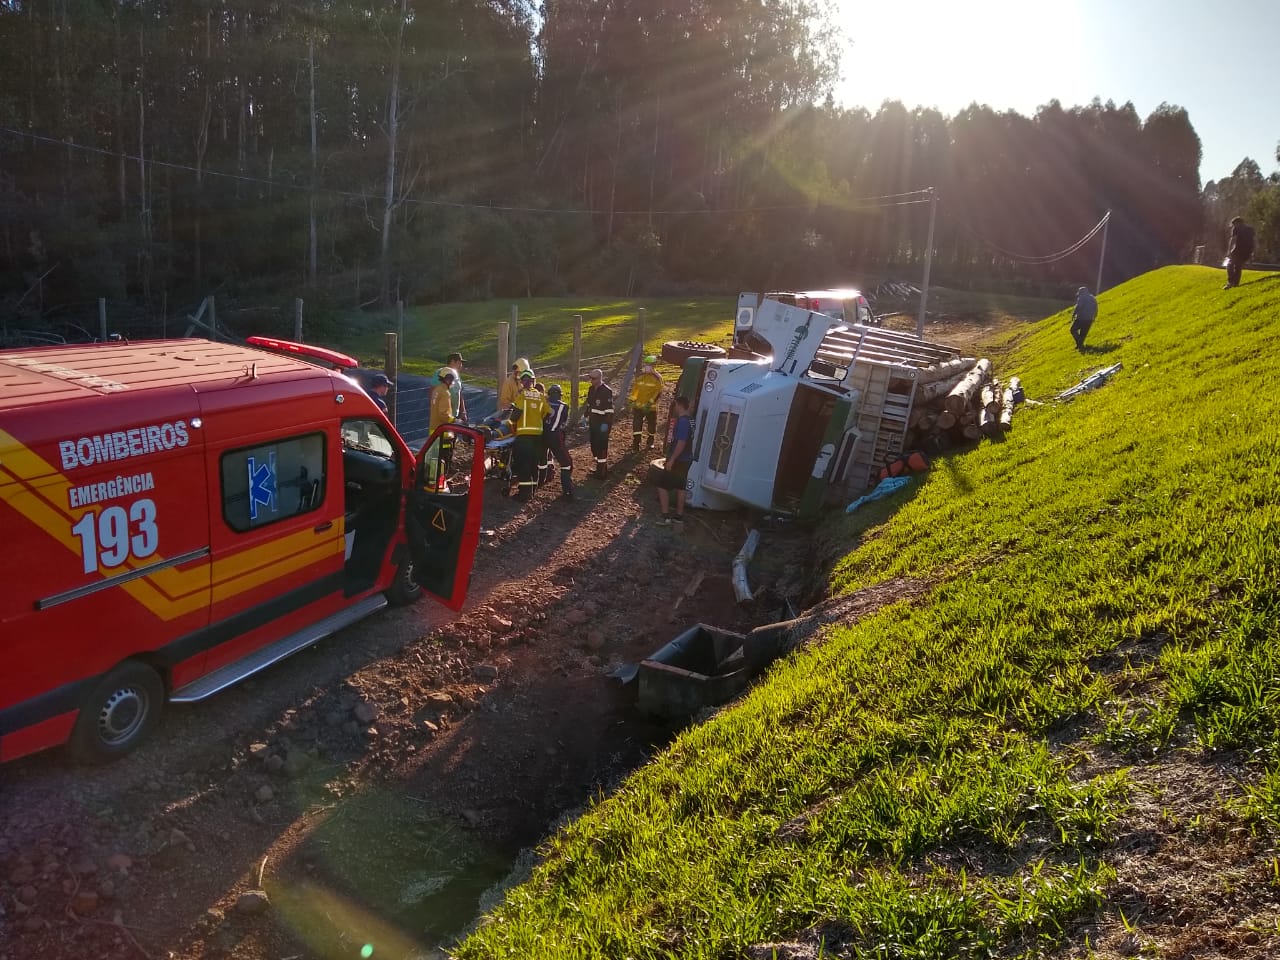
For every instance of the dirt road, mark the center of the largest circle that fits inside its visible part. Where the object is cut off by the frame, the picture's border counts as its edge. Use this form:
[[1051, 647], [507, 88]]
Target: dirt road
[[375, 786]]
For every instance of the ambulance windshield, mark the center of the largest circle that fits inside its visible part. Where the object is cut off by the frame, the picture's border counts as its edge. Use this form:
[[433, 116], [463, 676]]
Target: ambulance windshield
[[368, 437]]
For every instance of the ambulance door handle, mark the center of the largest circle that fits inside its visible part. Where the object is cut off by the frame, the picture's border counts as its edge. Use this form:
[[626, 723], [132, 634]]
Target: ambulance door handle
[[322, 527]]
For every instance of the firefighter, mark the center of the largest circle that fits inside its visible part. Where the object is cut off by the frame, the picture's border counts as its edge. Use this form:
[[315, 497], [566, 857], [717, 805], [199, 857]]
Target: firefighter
[[643, 398], [600, 420], [527, 452], [442, 413], [441, 398], [511, 386], [553, 430]]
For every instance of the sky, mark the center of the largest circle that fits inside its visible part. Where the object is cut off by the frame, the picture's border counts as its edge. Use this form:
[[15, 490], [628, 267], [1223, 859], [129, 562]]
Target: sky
[[1218, 60]]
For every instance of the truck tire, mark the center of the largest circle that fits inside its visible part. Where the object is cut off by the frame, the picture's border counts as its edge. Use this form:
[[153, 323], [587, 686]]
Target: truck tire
[[656, 469], [404, 589], [119, 714], [678, 351]]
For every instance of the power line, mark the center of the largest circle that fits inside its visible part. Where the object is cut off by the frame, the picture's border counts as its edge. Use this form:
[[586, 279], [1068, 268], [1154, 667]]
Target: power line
[[862, 202], [1037, 260]]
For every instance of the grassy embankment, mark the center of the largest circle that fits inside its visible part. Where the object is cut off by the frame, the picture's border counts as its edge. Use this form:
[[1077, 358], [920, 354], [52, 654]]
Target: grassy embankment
[[913, 783]]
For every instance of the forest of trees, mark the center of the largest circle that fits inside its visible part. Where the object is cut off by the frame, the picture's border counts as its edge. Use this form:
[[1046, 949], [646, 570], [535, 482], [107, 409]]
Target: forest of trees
[[152, 151]]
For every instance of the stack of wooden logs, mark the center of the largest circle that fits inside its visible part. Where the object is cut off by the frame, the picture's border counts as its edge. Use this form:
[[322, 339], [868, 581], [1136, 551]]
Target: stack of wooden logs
[[959, 401]]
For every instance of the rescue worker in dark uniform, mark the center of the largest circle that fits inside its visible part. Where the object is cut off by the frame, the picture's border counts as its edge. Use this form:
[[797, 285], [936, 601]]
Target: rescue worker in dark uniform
[[553, 431], [600, 420], [527, 454]]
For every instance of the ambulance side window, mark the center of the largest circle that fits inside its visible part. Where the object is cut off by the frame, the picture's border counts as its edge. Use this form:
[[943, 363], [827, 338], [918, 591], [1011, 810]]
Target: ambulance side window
[[273, 481]]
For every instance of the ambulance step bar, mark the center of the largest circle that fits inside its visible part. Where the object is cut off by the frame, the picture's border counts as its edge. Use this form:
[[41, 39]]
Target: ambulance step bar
[[264, 657]]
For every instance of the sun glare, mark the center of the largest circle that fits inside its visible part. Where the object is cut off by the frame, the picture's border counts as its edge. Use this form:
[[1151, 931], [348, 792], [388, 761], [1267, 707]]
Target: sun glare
[[1006, 53]]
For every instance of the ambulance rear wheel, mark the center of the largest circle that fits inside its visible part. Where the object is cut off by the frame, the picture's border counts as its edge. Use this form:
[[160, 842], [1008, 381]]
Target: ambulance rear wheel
[[123, 708], [678, 351], [404, 589]]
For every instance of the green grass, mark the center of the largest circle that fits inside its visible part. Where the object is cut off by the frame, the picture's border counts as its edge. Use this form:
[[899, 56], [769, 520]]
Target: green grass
[[545, 333], [545, 330], [1104, 577]]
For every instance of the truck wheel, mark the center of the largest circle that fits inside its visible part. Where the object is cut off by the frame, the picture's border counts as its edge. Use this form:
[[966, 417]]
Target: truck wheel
[[656, 469], [118, 714], [404, 589], [678, 351]]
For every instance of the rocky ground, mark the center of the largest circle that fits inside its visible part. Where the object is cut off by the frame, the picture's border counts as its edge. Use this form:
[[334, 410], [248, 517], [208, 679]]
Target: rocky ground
[[373, 788]]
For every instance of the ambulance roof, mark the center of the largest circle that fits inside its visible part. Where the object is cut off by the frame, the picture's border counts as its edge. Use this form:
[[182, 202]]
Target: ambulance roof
[[51, 374]]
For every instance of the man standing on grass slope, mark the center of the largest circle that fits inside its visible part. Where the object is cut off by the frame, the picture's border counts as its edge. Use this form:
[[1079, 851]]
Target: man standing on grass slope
[[1239, 251], [1083, 315]]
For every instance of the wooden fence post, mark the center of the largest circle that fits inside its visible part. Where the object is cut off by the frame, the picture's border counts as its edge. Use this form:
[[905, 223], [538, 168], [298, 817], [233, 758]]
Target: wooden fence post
[[633, 363], [504, 361], [511, 344], [392, 370], [575, 374], [102, 319], [297, 319]]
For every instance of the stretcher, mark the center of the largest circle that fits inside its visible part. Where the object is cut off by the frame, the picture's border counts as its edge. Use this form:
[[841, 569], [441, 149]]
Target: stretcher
[[499, 438]]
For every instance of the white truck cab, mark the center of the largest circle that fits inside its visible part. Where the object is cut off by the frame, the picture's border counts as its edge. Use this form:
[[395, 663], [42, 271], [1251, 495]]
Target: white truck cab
[[802, 406]]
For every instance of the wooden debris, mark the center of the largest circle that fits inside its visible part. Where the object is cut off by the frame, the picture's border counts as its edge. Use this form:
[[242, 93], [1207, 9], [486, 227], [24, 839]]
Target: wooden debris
[[963, 393]]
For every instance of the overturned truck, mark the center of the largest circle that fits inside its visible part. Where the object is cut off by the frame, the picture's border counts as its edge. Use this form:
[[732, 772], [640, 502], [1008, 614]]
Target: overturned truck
[[804, 409]]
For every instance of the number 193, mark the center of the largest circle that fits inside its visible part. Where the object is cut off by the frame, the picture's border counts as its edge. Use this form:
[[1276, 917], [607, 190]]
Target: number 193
[[108, 538]]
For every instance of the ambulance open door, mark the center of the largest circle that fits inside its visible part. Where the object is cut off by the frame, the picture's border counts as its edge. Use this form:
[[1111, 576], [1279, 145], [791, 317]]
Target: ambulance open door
[[443, 516]]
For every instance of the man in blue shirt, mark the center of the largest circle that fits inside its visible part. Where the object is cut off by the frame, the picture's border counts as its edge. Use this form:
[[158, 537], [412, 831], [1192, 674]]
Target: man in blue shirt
[[378, 387], [679, 456]]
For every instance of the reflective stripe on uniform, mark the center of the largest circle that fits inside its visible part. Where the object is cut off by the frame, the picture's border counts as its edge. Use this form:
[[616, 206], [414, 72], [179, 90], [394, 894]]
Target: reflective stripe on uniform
[[603, 413]]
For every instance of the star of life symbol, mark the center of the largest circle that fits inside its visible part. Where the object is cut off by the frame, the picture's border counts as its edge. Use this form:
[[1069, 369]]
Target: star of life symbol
[[262, 484]]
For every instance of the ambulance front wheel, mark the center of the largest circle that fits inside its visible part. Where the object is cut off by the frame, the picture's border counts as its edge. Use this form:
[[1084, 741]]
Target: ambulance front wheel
[[119, 714], [404, 589]]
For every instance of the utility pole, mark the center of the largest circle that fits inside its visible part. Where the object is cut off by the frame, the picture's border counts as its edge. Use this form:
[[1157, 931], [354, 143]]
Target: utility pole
[[1106, 222], [928, 261]]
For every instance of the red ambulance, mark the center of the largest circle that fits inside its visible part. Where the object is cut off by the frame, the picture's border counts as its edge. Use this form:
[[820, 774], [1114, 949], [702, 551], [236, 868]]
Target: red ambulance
[[180, 514]]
